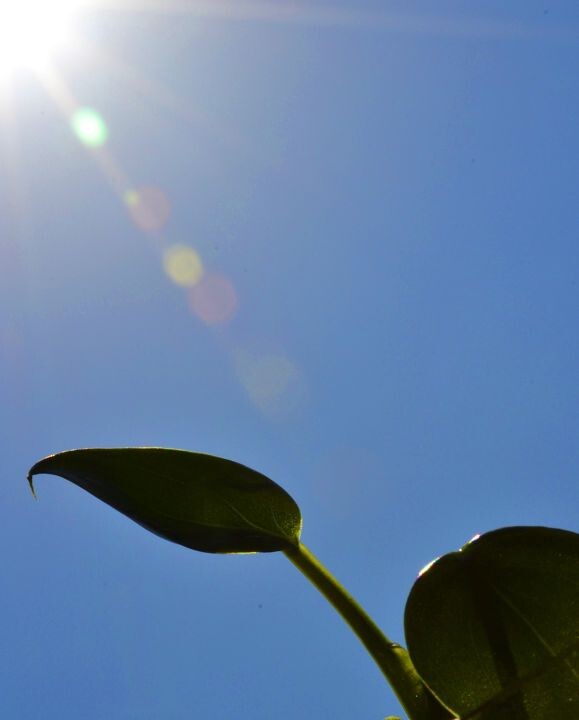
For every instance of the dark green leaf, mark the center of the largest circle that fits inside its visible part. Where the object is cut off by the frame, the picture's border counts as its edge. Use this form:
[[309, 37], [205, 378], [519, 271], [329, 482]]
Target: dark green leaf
[[200, 501], [493, 630]]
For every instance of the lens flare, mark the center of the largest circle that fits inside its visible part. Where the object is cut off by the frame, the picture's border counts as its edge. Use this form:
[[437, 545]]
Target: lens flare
[[149, 208], [214, 300], [89, 127], [273, 383], [183, 265]]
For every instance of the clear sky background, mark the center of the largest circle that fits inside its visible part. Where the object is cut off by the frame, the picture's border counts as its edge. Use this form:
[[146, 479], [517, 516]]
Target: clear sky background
[[337, 242]]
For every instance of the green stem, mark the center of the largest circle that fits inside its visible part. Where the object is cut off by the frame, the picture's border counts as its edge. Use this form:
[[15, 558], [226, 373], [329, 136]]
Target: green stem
[[392, 659]]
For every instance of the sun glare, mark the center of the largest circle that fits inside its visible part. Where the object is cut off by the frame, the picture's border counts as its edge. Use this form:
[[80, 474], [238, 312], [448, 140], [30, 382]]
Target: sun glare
[[31, 31]]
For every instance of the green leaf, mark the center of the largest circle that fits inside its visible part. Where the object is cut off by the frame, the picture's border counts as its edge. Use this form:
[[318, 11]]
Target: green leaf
[[493, 629], [200, 501]]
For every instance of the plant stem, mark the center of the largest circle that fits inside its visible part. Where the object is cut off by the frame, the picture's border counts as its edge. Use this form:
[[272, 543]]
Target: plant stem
[[392, 659]]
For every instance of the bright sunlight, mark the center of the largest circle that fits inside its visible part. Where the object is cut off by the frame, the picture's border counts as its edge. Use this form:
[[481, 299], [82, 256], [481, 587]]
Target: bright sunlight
[[31, 31]]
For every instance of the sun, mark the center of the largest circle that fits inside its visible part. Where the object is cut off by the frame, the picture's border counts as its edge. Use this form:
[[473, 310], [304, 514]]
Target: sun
[[31, 31]]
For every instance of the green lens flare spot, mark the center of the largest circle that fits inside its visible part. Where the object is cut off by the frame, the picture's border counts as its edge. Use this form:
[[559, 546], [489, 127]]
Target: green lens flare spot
[[131, 198], [89, 127]]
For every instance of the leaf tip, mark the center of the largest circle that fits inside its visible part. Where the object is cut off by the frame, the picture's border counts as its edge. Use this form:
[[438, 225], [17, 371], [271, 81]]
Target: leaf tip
[[30, 477]]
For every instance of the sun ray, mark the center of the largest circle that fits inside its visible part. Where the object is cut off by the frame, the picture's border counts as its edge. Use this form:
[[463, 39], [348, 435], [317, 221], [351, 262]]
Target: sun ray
[[275, 11], [160, 94], [69, 107], [10, 154]]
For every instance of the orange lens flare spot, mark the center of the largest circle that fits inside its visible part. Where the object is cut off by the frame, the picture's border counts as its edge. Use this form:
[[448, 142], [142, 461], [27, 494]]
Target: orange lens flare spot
[[183, 265], [214, 300], [149, 208]]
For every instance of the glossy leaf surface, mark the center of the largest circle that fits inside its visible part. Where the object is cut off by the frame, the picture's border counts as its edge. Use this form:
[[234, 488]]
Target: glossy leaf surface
[[493, 629], [200, 501]]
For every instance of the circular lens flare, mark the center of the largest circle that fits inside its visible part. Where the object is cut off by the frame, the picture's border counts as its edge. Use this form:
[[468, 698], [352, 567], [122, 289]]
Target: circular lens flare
[[149, 208], [183, 265], [214, 299], [31, 30], [89, 127]]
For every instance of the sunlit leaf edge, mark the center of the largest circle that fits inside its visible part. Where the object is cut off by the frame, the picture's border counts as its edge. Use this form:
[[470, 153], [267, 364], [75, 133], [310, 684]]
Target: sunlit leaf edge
[[270, 542]]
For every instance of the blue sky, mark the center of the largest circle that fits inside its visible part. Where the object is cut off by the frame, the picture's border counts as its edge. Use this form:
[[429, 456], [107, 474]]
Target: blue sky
[[335, 242]]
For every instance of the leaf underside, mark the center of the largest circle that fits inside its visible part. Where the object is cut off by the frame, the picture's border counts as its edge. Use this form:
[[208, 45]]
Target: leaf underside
[[200, 501], [493, 629]]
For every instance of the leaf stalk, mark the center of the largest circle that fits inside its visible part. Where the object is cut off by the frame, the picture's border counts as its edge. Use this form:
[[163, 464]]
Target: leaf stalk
[[392, 659]]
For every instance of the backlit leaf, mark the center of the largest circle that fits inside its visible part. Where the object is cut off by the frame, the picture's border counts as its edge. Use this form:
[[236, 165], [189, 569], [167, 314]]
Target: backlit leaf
[[493, 629], [200, 501]]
